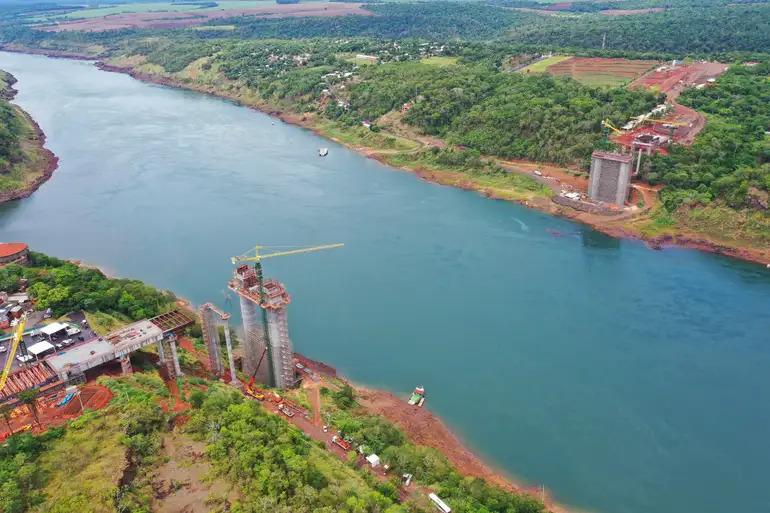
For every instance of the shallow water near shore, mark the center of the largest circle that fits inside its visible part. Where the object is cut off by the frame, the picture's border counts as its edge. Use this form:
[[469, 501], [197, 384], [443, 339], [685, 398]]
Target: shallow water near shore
[[624, 379]]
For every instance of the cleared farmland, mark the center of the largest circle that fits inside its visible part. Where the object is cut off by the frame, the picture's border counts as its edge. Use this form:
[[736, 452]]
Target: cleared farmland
[[599, 72]]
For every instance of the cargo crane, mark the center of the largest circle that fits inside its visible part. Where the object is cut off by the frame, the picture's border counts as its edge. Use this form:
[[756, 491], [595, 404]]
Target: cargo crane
[[256, 257], [18, 338], [607, 127], [672, 124]]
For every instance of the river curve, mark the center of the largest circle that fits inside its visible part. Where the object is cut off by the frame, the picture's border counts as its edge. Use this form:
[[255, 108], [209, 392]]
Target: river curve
[[627, 380]]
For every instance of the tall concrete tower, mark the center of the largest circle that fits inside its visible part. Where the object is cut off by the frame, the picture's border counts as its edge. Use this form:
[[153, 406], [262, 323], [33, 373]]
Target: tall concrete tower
[[264, 319], [610, 177]]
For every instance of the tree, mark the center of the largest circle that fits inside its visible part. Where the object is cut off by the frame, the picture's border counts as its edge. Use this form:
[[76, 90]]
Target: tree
[[29, 397], [5, 412]]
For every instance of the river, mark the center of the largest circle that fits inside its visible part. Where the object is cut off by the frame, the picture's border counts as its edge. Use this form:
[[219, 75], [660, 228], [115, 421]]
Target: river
[[627, 380]]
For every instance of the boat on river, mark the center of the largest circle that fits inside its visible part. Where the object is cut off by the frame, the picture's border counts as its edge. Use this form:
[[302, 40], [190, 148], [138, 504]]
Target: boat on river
[[322, 152], [418, 396]]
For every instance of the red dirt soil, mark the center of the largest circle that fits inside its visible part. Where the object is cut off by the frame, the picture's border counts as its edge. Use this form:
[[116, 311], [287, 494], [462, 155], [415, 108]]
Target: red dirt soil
[[600, 66], [190, 18], [94, 397]]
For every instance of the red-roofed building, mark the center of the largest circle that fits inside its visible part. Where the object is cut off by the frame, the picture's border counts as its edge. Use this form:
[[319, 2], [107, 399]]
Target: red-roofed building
[[13, 252]]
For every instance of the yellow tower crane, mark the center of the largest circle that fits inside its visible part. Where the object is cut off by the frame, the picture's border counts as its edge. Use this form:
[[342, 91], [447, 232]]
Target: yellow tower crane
[[18, 336], [672, 124], [255, 256], [609, 125]]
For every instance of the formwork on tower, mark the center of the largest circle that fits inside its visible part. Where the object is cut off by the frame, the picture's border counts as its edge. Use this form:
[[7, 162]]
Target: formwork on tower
[[269, 353]]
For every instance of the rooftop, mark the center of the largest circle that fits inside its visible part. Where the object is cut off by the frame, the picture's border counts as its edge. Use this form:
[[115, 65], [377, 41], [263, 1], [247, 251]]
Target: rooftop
[[11, 248], [137, 333], [96, 348], [608, 155], [54, 327]]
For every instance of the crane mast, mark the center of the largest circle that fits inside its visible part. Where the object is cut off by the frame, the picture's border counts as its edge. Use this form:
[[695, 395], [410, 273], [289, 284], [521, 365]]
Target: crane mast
[[254, 255], [18, 338]]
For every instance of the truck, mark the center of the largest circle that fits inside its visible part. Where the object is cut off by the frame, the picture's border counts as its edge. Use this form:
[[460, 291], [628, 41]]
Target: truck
[[286, 411], [341, 442]]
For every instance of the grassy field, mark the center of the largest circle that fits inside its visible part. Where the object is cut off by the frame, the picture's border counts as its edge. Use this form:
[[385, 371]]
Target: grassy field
[[103, 323], [360, 136], [439, 61], [511, 186], [601, 80], [741, 228], [600, 72], [541, 66], [361, 62], [85, 466]]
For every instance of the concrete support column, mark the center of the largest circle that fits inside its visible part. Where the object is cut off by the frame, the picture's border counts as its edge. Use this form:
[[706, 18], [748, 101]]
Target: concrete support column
[[231, 361], [125, 365], [161, 352], [174, 357]]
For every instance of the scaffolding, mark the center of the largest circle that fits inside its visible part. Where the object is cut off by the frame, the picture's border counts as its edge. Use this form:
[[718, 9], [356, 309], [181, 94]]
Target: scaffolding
[[271, 305], [209, 325]]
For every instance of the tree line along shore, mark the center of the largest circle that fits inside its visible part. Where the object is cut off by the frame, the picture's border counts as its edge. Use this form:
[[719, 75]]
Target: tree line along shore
[[131, 453], [25, 163], [458, 112]]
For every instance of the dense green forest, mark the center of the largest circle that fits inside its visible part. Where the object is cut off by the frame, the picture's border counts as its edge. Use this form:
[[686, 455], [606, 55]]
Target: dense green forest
[[690, 30], [12, 131], [432, 20], [64, 287]]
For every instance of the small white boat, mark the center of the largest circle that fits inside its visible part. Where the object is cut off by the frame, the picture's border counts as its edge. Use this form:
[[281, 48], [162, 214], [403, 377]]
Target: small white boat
[[322, 152]]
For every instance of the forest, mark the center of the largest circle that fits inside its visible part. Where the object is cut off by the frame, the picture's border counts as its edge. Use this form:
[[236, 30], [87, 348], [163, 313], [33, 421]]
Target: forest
[[688, 30], [12, 131], [64, 286]]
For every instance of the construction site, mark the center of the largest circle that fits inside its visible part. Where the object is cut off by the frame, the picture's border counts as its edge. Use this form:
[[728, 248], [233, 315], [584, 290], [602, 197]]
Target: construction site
[[37, 360]]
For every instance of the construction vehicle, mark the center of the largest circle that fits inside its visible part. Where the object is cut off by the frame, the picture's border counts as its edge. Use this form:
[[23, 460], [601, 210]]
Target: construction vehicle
[[18, 339], [342, 443], [257, 259], [285, 410], [256, 394], [250, 386]]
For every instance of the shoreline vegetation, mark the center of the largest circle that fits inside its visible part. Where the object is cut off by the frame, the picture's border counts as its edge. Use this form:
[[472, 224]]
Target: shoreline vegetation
[[29, 164], [406, 152], [423, 429]]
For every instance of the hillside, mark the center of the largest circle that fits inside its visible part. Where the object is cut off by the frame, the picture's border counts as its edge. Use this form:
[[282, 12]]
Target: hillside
[[24, 163]]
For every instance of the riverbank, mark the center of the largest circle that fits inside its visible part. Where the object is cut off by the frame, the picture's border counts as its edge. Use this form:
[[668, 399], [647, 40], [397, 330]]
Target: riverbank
[[421, 426], [614, 226], [38, 162], [631, 225]]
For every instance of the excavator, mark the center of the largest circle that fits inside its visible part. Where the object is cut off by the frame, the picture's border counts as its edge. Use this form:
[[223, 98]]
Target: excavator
[[18, 338]]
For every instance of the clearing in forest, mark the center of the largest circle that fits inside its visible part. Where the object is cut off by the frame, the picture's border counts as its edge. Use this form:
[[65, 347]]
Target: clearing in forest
[[439, 61], [596, 71], [541, 66]]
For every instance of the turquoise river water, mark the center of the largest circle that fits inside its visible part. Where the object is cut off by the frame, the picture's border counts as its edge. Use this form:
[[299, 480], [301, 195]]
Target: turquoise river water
[[627, 380]]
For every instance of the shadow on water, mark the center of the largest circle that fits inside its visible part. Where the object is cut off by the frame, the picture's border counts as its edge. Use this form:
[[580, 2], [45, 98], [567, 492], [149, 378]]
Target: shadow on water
[[597, 240]]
